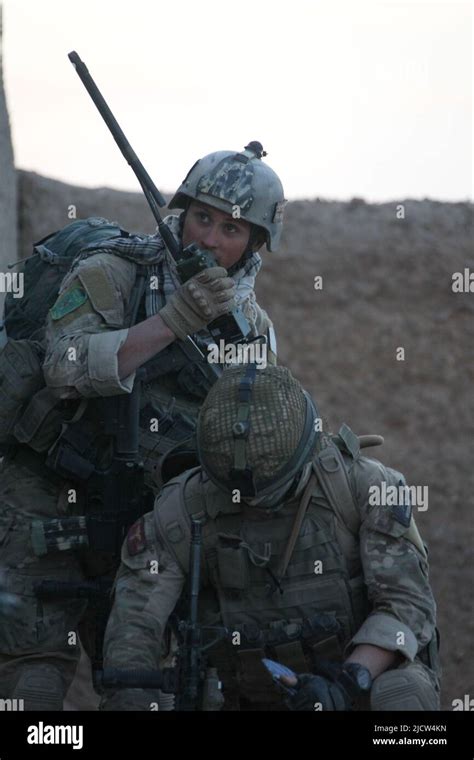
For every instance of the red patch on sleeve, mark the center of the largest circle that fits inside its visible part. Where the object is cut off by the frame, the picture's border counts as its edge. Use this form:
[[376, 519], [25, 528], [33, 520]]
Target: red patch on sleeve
[[136, 541]]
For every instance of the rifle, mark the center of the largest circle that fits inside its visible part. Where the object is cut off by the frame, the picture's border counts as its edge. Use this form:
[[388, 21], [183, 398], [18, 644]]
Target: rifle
[[195, 686], [189, 657], [232, 327]]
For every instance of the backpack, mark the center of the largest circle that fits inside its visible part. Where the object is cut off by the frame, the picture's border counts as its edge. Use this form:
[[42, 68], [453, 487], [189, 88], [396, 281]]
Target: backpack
[[22, 330]]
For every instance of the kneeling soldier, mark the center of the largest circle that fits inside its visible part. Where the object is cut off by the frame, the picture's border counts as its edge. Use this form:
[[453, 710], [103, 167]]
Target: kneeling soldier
[[298, 565]]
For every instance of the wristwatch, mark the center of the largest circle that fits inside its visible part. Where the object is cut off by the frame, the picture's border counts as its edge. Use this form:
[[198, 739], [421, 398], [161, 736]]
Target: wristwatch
[[355, 678]]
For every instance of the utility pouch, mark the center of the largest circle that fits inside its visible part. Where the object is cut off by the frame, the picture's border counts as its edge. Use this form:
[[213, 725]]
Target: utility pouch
[[74, 453], [41, 422], [233, 567], [58, 535]]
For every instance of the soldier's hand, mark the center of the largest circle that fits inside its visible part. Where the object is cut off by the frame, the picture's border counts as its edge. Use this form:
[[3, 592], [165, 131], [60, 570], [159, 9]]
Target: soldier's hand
[[316, 693], [335, 690], [199, 301]]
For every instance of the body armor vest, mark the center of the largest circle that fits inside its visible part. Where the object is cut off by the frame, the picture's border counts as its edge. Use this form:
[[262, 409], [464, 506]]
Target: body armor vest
[[312, 611]]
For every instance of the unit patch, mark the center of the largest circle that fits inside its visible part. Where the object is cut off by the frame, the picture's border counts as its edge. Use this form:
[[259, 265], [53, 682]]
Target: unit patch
[[136, 540], [69, 301]]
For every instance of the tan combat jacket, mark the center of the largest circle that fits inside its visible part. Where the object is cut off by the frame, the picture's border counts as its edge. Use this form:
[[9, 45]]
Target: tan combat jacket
[[371, 587]]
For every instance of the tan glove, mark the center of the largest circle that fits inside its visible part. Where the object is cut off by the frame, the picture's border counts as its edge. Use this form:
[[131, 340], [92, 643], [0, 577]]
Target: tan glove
[[199, 301]]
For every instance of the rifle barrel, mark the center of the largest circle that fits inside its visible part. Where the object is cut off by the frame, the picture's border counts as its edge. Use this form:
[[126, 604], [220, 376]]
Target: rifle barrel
[[151, 192]]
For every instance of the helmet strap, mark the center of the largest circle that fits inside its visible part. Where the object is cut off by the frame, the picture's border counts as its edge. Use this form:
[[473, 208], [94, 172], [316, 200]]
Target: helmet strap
[[182, 219]]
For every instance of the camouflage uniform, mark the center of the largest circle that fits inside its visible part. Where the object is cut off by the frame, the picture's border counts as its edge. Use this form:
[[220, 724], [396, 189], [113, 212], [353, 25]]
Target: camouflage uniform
[[354, 577], [37, 656], [376, 587]]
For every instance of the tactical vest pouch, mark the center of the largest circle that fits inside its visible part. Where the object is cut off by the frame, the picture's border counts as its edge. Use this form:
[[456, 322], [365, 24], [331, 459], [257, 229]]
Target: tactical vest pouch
[[233, 567], [292, 655], [58, 534], [41, 421], [20, 378]]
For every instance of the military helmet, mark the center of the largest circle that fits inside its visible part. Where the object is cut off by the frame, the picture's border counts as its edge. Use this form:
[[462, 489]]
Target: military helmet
[[227, 180], [256, 429]]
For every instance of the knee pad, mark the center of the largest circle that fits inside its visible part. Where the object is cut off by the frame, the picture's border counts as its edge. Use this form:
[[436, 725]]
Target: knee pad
[[41, 687], [406, 688]]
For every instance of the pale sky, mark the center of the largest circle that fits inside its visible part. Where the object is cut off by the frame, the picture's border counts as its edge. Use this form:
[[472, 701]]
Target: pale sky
[[361, 98]]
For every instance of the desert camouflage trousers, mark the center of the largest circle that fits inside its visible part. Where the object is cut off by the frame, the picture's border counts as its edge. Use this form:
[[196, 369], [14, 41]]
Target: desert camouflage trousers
[[39, 645]]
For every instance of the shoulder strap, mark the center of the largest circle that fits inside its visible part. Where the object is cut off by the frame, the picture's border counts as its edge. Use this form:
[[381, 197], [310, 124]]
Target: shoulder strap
[[334, 480], [172, 521], [295, 531], [137, 293]]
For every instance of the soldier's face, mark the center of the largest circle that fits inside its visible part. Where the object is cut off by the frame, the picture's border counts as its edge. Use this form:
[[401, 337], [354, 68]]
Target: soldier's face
[[226, 238]]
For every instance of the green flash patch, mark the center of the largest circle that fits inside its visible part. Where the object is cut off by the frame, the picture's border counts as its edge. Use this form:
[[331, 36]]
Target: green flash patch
[[69, 301]]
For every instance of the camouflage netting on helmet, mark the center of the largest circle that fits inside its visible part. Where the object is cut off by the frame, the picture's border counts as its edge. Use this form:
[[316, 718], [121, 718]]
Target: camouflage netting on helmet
[[277, 418]]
